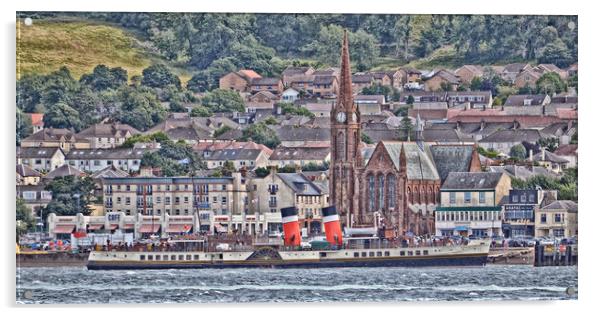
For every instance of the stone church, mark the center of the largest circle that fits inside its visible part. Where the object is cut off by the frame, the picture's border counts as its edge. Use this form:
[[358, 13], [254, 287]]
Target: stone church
[[393, 185]]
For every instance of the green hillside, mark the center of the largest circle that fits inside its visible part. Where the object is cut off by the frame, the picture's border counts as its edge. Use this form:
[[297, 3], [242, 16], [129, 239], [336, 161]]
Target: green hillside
[[45, 46]]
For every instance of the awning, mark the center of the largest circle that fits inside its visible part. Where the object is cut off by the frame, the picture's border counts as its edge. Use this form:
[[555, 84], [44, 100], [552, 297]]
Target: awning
[[113, 226], [64, 229], [178, 228], [95, 226], [220, 228], [149, 228], [128, 226], [461, 228]]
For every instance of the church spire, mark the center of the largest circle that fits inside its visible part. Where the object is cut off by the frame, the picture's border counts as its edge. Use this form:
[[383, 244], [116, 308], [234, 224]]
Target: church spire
[[345, 97]]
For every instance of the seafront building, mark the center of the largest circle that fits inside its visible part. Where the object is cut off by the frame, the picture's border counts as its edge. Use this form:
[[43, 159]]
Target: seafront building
[[470, 204]]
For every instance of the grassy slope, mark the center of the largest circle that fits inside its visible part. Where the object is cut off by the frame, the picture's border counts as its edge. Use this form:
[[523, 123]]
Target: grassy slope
[[47, 45]]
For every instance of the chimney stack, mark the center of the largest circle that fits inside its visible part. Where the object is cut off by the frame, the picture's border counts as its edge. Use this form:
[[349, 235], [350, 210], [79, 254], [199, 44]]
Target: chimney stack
[[332, 225], [290, 225]]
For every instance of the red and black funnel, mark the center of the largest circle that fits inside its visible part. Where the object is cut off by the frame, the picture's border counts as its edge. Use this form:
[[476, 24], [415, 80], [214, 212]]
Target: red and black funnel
[[290, 224], [332, 225]]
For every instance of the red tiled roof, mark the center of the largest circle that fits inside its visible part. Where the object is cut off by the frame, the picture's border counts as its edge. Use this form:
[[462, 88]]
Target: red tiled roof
[[567, 114], [37, 119], [249, 73]]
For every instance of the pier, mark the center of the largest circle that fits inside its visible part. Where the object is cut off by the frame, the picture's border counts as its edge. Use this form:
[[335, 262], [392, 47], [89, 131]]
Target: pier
[[555, 255]]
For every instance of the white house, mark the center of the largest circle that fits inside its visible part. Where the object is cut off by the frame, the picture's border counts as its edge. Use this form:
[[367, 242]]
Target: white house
[[290, 95]]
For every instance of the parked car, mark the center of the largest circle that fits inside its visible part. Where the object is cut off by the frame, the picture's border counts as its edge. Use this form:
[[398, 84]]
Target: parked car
[[222, 247]]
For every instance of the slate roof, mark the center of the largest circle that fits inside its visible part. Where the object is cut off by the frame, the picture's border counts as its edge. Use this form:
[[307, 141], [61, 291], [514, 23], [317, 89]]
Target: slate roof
[[551, 157], [361, 78], [267, 94], [300, 153], [568, 205], [513, 135], [232, 134], [519, 99], [451, 158], [187, 133], [566, 150], [439, 135], [268, 81], [296, 133], [26, 171], [107, 153], [291, 71], [110, 172], [300, 184], [235, 154], [63, 171], [522, 172], [52, 134], [419, 164], [471, 181], [108, 130], [37, 152], [516, 67], [446, 75], [324, 80]]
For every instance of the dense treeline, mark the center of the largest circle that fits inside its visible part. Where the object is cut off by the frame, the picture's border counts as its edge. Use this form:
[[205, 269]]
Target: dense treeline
[[253, 40]]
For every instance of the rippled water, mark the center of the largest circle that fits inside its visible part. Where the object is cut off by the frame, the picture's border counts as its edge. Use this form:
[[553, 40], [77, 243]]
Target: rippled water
[[78, 285]]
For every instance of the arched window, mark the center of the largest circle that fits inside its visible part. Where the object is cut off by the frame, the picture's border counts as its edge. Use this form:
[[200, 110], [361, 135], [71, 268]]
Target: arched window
[[381, 191], [371, 193], [429, 197], [341, 152], [409, 196], [391, 188]]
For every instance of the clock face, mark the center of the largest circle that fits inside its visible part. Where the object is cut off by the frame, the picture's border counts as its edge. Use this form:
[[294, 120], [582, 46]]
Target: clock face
[[341, 117]]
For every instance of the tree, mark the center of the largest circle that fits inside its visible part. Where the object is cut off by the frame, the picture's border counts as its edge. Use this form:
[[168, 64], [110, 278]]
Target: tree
[[518, 152], [289, 108], [208, 79], [406, 128], [550, 143], [377, 89], [270, 121], [261, 134], [225, 170], [24, 127], [70, 195], [174, 159], [556, 53], [476, 83], [159, 76], [25, 220], [410, 100], [103, 78], [200, 111], [140, 108], [366, 139], [550, 83], [222, 130], [177, 107], [61, 115], [220, 100], [262, 172], [145, 138]]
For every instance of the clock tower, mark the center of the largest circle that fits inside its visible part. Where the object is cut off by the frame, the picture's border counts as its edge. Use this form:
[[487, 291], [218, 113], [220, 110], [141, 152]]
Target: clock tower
[[345, 136]]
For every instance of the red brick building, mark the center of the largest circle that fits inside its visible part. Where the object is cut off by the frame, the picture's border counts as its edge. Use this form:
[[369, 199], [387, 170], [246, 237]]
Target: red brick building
[[394, 184]]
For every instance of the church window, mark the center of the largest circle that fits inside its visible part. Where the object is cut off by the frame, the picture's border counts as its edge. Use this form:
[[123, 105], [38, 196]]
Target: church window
[[371, 193], [391, 190], [381, 191]]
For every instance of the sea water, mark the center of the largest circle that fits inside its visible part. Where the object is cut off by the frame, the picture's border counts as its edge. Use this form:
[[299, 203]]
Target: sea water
[[73, 285]]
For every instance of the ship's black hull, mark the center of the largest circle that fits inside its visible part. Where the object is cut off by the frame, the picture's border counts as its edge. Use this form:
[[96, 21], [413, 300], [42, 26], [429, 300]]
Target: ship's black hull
[[469, 260]]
